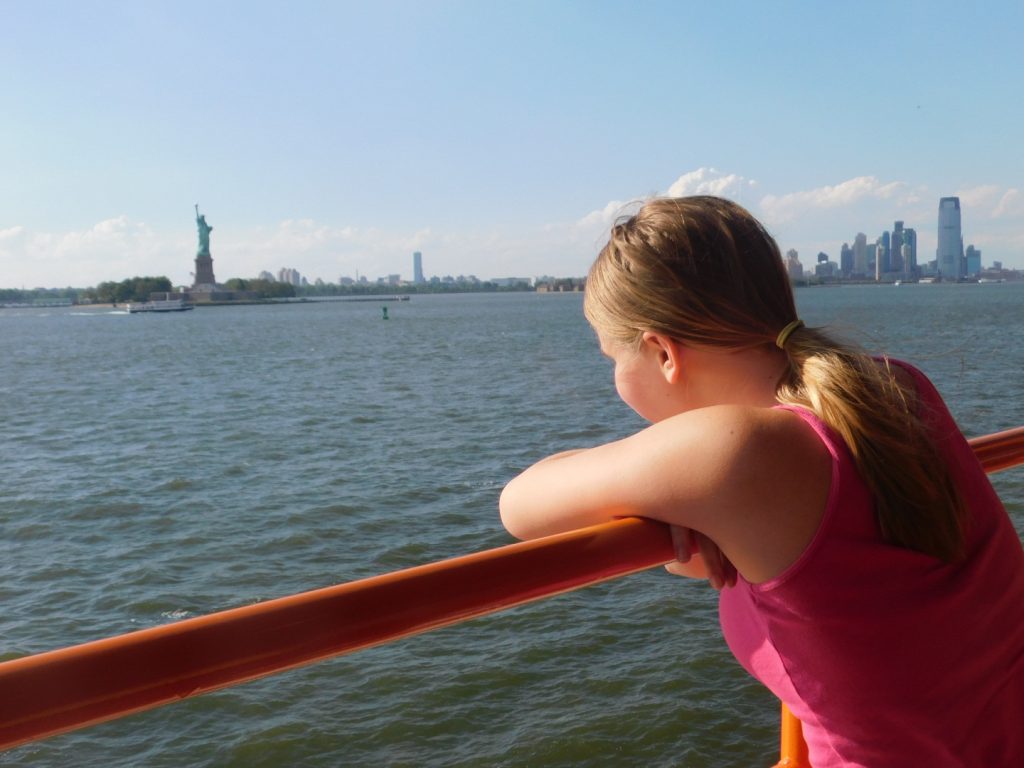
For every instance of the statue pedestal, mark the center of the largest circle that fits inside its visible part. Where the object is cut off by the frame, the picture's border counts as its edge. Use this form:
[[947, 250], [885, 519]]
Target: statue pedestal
[[204, 271]]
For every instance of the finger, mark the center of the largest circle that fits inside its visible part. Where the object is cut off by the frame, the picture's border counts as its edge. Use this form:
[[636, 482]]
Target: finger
[[714, 561], [681, 541], [721, 571], [730, 572], [676, 569]]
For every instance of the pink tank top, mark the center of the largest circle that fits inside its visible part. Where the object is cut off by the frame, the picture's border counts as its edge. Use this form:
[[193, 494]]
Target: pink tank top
[[890, 657]]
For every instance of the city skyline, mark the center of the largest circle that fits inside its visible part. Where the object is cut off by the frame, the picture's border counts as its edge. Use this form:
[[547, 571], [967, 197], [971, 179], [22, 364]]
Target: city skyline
[[892, 255], [495, 140]]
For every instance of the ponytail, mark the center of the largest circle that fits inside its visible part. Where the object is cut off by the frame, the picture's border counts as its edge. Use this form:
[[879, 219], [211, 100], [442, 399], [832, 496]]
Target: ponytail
[[918, 506]]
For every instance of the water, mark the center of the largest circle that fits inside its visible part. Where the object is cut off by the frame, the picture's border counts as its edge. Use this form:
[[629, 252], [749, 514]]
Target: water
[[162, 467]]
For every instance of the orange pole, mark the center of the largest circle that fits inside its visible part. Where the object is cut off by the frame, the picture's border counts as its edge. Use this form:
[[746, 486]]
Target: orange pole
[[61, 690], [1000, 450], [52, 692], [792, 747]]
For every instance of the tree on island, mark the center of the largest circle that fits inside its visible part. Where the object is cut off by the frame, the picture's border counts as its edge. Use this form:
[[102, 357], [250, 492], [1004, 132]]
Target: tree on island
[[27, 296], [132, 289], [264, 289]]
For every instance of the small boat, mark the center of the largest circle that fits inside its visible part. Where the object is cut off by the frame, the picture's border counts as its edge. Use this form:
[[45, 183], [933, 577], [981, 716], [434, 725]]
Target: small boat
[[168, 305]]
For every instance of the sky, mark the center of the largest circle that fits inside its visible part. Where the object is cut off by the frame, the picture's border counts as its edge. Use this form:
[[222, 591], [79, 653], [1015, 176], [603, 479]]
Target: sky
[[497, 138]]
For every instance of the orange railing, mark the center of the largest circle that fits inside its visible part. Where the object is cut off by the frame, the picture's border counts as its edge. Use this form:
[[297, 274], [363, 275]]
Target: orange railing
[[61, 690]]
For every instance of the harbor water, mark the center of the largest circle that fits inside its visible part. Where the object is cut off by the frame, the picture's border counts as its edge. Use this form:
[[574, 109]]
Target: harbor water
[[159, 467]]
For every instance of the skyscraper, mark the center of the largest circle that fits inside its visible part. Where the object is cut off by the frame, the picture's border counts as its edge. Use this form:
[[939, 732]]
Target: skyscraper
[[793, 265], [896, 248], [949, 254], [973, 259], [846, 260], [417, 267], [860, 254], [910, 252]]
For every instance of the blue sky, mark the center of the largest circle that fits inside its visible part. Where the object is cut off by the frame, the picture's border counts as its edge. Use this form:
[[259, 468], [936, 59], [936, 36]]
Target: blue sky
[[497, 138]]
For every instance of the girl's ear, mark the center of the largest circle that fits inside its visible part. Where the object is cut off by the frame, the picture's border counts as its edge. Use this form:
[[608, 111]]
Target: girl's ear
[[667, 352]]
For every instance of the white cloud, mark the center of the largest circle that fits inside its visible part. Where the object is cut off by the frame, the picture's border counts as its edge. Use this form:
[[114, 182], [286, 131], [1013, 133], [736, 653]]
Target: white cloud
[[11, 233], [603, 217], [787, 207], [107, 238], [303, 236], [591, 229], [976, 197], [703, 181], [1010, 205], [709, 181], [112, 249]]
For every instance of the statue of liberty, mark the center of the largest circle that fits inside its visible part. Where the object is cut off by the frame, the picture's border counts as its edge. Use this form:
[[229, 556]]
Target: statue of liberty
[[204, 278], [204, 234]]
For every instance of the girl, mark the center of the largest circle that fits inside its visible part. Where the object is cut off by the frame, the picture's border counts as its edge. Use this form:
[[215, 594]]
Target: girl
[[873, 581]]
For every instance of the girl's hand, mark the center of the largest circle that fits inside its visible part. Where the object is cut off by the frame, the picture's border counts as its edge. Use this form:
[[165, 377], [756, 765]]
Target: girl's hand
[[709, 562]]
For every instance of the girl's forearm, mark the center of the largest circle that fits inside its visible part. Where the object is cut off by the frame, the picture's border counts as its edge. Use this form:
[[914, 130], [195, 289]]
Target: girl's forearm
[[540, 500]]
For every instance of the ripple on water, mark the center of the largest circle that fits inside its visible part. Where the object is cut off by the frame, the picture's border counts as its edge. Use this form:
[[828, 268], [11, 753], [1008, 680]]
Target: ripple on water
[[176, 484]]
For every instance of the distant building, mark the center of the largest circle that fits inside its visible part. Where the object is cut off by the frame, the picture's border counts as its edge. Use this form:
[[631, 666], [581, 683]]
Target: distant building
[[559, 285], [860, 255], [896, 248], [846, 260], [883, 255], [417, 268], [290, 276], [973, 261], [951, 245], [264, 275], [910, 252], [824, 267], [793, 266]]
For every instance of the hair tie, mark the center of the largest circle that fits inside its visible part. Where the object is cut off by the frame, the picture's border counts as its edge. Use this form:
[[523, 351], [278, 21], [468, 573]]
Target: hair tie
[[780, 340]]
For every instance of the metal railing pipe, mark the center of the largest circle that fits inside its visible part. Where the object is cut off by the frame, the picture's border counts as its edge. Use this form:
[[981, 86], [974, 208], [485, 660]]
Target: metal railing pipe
[[60, 690]]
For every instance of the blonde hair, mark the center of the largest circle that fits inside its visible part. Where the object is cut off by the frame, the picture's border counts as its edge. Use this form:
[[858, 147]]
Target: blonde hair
[[703, 271]]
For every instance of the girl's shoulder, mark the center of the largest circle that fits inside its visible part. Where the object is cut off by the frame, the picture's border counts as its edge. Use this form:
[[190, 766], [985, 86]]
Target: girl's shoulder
[[771, 472], [773, 435]]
